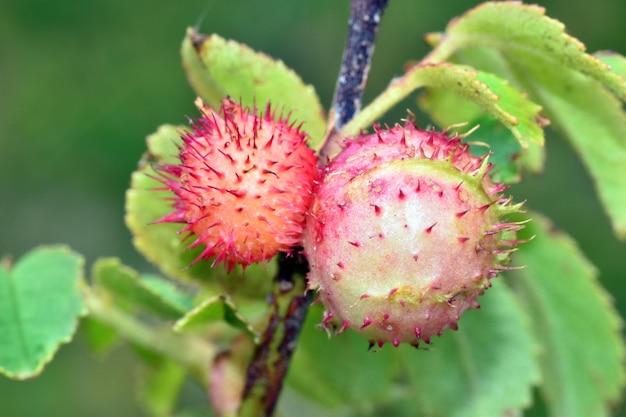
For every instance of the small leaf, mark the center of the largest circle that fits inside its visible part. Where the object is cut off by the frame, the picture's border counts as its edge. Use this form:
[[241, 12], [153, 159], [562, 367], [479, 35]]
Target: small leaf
[[124, 285], [217, 68], [516, 29], [583, 351], [214, 309], [168, 291], [490, 93], [448, 109], [40, 302], [339, 371], [488, 368], [615, 61], [529, 126], [520, 43]]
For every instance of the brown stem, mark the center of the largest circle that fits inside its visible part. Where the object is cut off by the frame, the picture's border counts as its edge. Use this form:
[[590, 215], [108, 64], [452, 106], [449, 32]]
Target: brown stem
[[363, 25], [289, 304]]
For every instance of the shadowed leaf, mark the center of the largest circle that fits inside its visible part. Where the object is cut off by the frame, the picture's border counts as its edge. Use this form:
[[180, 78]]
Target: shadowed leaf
[[160, 383], [339, 371], [487, 368], [583, 354]]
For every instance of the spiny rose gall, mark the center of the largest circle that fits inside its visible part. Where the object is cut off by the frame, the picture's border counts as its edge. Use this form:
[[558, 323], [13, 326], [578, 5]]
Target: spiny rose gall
[[405, 232], [243, 185]]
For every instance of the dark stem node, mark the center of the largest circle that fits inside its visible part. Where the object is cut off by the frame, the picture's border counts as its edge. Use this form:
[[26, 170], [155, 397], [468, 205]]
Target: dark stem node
[[288, 304]]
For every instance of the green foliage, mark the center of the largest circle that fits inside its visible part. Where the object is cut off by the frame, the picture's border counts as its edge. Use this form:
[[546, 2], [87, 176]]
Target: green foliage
[[40, 303], [595, 123], [213, 309], [582, 351], [162, 245], [523, 34], [615, 61], [217, 68], [579, 93], [487, 367], [505, 150], [100, 337], [125, 287], [489, 364], [490, 93], [321, 364]]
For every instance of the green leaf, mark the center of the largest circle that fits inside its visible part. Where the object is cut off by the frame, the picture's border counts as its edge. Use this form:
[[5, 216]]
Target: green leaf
[[217, 68], [490, 93], [488, 368], [519, 30], [213, 309], [124, 285], [503, 146], [339, 371], [448, 109], [519, 43], [40, 302], [161, 243], [615, 61], [583, 352], [595, 124], [168, 291]]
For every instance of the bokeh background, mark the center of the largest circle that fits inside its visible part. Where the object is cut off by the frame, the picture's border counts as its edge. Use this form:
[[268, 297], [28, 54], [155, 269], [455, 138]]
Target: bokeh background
[[83, 82]]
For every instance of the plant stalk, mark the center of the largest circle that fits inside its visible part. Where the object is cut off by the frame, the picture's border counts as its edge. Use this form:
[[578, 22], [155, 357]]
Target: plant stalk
[[193, 353], [289, 303], [363, 25]]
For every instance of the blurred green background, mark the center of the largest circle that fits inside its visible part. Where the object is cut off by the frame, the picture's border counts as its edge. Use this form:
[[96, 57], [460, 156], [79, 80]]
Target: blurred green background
[[83, 82]]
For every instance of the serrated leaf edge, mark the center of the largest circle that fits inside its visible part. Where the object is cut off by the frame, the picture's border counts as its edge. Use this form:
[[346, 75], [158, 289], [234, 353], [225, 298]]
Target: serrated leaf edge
[[80, 285]]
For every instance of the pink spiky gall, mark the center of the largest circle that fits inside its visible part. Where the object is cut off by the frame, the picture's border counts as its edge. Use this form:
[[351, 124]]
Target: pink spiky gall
[[406, 230], [243, 184]]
